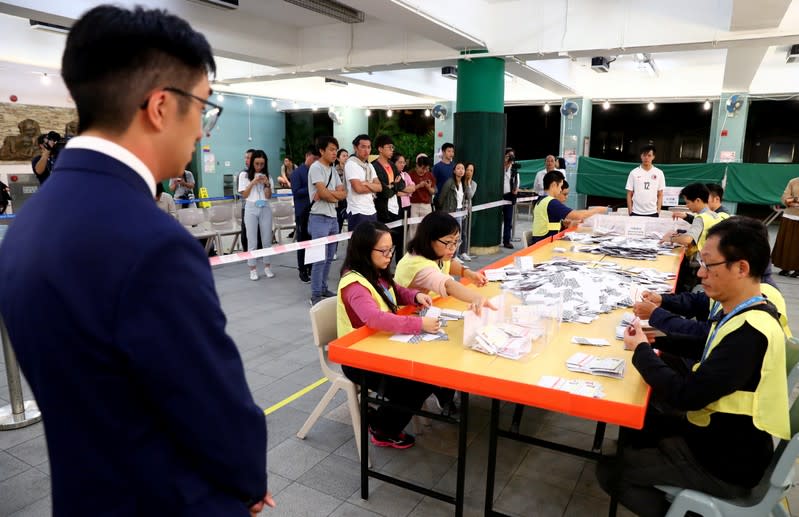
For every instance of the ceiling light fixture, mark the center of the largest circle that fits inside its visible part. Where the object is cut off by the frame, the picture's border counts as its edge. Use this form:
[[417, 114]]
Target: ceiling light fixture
[[46, 80], [335, 82], [427, 112], [249, 101], [606, 105], [646, 63], [314, 108], [51, 27], [650, 106], [389, 113], [368, 112], [706, 105], [220, 97], [331, 8], [546, 107], [274, 103]]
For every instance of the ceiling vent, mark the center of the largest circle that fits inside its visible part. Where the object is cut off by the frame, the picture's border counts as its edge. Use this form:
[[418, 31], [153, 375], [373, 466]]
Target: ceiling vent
[[224, 4], [331, 8]]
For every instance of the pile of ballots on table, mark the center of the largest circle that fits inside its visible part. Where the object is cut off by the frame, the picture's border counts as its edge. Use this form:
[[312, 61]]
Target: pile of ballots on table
[[617, 246], [586, 288]]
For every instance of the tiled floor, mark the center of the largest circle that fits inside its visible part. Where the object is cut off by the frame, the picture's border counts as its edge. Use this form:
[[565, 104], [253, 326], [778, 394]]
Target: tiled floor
[[319, 476]]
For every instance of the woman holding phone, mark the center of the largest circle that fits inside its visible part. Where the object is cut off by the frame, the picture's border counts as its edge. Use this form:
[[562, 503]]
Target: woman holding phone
[[256, 189]]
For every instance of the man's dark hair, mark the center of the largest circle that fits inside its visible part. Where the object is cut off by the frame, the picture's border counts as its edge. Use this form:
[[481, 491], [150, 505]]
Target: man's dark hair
[[115, 57], [743, 238], [382, 140], [561, 163], [312, 150], [564, 185], [55, 136], [424, 161], [649, 147], [434, 226], [446, 146], [250, 150], [716, 189], [40, 139], [553, 176], [695, 191], [357, 139], [323, 141]]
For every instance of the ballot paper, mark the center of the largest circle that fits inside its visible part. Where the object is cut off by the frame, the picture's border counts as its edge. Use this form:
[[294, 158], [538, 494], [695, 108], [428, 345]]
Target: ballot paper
[[585, 388], [594, 365], [578, 340], [494, 275]]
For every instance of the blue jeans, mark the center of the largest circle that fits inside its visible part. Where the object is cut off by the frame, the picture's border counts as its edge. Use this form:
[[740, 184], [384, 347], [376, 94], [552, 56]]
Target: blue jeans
[[322, 226]]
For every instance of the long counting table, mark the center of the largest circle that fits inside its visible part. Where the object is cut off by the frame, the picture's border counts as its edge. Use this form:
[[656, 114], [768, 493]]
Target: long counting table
[[449, 364]]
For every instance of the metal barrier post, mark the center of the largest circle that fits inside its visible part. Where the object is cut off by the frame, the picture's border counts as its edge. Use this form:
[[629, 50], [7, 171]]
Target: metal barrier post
[[20, 413], [468, 226]]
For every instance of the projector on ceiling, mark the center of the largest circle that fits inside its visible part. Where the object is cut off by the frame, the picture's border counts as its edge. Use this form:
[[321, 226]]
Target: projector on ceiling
[[450, 71], [600, 64], [793, 54]]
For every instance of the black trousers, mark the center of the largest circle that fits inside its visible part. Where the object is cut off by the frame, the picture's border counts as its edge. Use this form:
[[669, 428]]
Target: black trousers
[[507, 218], [410, 394], [302, 234]]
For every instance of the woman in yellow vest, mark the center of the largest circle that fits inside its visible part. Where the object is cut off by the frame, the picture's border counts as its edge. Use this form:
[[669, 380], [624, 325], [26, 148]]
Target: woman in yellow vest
[[732, 402], [367, 295]]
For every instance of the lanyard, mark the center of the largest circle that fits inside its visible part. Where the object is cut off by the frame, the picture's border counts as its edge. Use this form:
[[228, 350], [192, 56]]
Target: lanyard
[[740, 307], [389, 294]]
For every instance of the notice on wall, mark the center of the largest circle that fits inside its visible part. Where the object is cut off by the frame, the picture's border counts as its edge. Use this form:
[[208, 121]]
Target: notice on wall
[[570, 155], [209, 163], [727, 156], [671, 196]]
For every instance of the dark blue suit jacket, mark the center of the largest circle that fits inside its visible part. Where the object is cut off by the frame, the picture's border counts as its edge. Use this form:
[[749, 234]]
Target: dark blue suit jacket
[[111, 307], [299, 189]]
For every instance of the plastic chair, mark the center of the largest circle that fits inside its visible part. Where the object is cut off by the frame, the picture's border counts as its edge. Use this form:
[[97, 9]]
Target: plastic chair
[[776, 212], [282, 219], [766, 497], [323, 326], [527, 238], [193, 219], [223, 222]]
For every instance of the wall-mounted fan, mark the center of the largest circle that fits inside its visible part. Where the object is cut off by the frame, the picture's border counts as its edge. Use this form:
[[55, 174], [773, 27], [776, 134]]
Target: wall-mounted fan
[[439, 112], [334, 116], [569, 109], [734, 103]]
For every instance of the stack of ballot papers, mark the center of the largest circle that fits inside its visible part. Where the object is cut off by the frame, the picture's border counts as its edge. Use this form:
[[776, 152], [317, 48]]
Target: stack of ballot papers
[[505, 340], [604, 366], [574, 386], [627, 319]]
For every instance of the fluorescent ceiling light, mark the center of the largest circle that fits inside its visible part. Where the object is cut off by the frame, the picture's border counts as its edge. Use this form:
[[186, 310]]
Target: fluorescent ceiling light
[[52, 27], [335, 82], [331, 8]]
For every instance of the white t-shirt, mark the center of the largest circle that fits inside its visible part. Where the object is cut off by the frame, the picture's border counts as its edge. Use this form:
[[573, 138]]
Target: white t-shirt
[[538, 183], [506, 181], [645, 186], [459, 196], [257, 192], [363, 204]]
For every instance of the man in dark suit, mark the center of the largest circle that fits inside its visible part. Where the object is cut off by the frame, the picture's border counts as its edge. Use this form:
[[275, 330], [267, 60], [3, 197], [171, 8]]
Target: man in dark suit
[[145, 404]]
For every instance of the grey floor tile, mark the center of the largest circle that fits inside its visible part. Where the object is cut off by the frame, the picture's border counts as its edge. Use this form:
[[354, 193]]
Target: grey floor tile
[[420, 466], [327, 435], [257, 380], [579, 506], [386, 499], [275, 392], [277, 483], [587, 483], [9, 439], [379, 455], [41, 508], [522, 496], [429, 507], [350, 510], [23, 490], [334, 476], [292, 458], [298, 500], [552, 467], [283, 424], [276, 367], [33, 452], [11, 466]]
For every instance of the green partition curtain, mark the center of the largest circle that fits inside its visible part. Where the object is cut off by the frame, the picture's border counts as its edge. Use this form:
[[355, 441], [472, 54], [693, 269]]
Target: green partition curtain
[[527, 172], [758, 183]]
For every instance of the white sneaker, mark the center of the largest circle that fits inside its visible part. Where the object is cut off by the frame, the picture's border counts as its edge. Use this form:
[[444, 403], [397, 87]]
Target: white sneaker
[[465, 257], [335, 256], [253, 274], [268, 272]]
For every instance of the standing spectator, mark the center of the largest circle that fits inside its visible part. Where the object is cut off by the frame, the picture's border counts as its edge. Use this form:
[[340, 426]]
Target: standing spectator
[[42, 164], [324, 191], [645, 186], [5, 197], [247, 158], [167, 423], [410, 186], [164, 200], [470, 187], [183, 188], [341, 209], [362, 183], [550, 164], [422, 197], [285, 172], [256, 190], [442, 171], [454, 196], [510, 189], [302, 207], [786, 248], [386, 201]]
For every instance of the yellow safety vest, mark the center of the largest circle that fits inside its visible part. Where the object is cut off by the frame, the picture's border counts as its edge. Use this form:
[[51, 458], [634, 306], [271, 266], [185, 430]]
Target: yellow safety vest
[[768, 404], [343, 324], [411, 264], [775, 297], [709, 220], [541, 223]]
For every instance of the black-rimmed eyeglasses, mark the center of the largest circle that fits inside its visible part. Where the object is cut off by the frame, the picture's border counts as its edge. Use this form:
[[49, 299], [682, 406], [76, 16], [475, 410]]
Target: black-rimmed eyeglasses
[[703, 264], [211, 111], [388, 252]]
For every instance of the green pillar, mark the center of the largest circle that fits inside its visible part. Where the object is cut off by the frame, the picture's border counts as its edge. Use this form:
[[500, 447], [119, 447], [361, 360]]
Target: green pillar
[[480, 125], [727, 133]]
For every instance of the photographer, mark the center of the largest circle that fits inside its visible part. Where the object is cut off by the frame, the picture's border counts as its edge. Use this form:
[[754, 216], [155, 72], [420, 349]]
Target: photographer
[[183, 188], [42, 164], [510, 189]]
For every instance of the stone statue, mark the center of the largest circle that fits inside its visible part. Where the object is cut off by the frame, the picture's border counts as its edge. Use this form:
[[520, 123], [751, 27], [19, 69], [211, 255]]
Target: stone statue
[[71, 129], [22, 146]]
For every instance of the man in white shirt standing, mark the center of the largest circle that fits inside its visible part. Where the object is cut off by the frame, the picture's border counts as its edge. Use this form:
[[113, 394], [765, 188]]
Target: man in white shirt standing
[[550, 164], [645, 186], [361, 182]]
